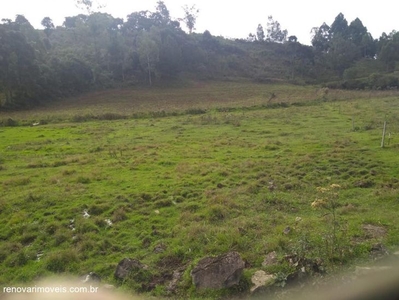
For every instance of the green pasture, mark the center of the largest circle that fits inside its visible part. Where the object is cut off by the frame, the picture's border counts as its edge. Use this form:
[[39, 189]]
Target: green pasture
[[213, 173]]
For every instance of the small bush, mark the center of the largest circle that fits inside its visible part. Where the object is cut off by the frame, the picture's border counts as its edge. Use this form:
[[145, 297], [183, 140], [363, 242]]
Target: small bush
[[10, 122], [18, 259], [18, 181], [61, 237], [61, 261], [195, 111], [86, 226], [83, 180], [217, 213], [80, 118], [119, 214]]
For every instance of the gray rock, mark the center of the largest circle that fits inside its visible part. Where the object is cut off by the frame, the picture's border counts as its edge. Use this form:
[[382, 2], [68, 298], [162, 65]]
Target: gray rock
[[261, 279], [218, 272], [127, 265], [159, 248], [91, 277], [378, 251], [177, 275], [287, 230], [270, 259]]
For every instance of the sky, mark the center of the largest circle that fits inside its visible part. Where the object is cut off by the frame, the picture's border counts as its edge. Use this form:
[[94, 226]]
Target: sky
[[229, 18]]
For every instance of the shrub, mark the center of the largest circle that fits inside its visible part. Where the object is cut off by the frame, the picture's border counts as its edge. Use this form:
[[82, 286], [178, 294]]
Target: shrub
[[61, 261], [382, 81]]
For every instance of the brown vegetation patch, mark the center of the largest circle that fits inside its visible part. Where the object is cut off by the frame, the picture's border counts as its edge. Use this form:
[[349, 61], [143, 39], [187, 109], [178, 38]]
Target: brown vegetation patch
[[373, 231]]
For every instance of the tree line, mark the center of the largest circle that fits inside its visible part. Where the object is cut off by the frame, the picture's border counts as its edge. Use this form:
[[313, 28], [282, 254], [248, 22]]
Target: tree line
[[96, 51]]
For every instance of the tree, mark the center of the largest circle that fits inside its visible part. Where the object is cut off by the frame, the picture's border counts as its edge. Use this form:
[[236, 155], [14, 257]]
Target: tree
[[292, 39], [321, 38], [260, 34], [356, 31], [149, 54], [339, 26], [389, 52], [48, 25], [251, 38], [18, 68], [274, 32], [190, 17], [342, 54], [87, 5], [162, 15]]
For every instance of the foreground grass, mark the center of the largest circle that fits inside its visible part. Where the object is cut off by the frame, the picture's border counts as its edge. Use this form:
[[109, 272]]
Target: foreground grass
[[182, 187]]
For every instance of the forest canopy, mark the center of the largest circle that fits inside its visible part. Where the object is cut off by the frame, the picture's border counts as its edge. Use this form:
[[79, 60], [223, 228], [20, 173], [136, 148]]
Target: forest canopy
[[97, 51]]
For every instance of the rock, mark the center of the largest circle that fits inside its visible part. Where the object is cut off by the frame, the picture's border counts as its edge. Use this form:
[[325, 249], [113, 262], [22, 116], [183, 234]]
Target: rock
[[127, 265], [91, 277], [378, 251], [261, 280], [298, 219], [39, 255], [218, 272], [271, 186], [159, 248], [177, 275], [270, 259], [287, 230], [86, 214], [364, 184], [305, 265]]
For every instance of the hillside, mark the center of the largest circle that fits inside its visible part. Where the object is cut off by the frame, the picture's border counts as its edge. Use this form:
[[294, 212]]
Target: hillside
[[96, 52]]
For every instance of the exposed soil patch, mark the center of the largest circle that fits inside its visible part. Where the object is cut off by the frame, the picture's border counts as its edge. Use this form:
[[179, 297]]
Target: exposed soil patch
[[373, 231]]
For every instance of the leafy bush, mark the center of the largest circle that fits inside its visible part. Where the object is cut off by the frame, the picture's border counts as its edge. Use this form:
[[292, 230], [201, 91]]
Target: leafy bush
[[61, 261], [382, 81]]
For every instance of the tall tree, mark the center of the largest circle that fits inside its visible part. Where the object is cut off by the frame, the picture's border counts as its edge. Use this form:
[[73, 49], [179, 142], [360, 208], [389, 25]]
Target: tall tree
[[321, 38], [260, 33], [342, 54], [149, 54], [48, 25], [162, 15], [88, 5], [190, 17], [339, 26], [389, 52], [356, 31], [274, 32]]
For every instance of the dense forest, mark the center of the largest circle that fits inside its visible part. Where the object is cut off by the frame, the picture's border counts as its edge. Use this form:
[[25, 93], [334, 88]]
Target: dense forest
[[97, 51]]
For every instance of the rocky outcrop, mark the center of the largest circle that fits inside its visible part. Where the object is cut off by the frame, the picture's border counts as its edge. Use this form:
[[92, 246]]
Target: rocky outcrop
[[218, 272], [176, 277], [128, 265], [261, 280], [270, 259]]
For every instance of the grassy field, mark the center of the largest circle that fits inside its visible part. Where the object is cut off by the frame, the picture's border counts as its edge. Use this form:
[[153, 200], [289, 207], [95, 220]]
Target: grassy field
[[180, 174]]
